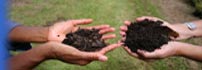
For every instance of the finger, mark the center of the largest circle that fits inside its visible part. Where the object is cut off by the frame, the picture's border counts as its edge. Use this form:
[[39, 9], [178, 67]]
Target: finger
[[127, 23], [147, 17], [75, 29], [99, 27], [123, 34], [123, 28], [107, 30], [81, 21], [105, 37], [121, 42], [123, 39], [94, 56], [130, 52], [139, 19], [110, 48], [153, 19]]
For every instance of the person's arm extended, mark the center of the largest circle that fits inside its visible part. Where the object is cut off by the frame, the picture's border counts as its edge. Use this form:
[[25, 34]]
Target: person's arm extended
[[54, 50], [190, 51], [29, 34], [29, 59], [185, 32], [174, 48], [56, 32]]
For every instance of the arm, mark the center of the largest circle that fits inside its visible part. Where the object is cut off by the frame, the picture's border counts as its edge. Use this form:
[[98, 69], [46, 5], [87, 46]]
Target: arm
[[56, 32], [53, 50], [29, 34], [190, 51], [174, 49], [29, 59]]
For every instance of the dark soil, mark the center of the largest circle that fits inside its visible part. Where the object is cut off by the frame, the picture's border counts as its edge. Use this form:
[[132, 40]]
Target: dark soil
[[148, 35], [85, 40]]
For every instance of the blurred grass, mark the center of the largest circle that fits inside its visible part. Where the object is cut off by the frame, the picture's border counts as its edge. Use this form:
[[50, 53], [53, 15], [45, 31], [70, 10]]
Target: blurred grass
[[112, 12], [198, 7]]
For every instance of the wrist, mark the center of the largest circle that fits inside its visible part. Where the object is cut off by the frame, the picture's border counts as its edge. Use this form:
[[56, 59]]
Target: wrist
[[29, 34], [178, 51], [48, 50], [46, 31], [183, 31], [182, 48]]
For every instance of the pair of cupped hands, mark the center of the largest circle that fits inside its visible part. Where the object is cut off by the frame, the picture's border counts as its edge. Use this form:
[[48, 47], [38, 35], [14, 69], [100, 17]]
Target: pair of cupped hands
[[66, 53]]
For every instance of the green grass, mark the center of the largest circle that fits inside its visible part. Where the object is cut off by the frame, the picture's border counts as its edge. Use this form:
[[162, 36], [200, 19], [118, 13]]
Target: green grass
[[198, 7], [112, 12]]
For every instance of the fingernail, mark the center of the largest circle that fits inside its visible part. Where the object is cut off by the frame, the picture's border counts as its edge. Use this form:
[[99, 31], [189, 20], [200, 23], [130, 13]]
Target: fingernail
[[103, 58]]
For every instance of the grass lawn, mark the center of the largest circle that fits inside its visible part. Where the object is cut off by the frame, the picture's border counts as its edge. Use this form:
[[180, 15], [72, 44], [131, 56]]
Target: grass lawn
[[113, 12]]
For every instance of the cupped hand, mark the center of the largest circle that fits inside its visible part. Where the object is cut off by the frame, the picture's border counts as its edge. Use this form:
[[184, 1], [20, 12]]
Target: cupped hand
[[178, 28], [167, 50], [72, 55], [123, 30], [58, 31]]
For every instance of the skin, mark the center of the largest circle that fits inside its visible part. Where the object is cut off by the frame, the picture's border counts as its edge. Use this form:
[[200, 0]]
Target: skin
[[55, 32], [53, 48], [173, 48]]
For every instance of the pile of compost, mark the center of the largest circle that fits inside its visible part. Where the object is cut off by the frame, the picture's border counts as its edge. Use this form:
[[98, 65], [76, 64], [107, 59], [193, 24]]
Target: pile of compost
[[85, 40], [148, 35]]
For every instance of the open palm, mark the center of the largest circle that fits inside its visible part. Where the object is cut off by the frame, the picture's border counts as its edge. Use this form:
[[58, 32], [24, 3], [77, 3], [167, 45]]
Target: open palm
[[58, 31]]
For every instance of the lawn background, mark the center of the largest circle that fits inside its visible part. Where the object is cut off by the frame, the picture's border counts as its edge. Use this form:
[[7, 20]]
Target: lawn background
[[112, 12]]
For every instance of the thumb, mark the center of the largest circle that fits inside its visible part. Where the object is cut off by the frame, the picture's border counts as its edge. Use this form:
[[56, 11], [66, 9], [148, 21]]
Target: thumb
[[94, 56]]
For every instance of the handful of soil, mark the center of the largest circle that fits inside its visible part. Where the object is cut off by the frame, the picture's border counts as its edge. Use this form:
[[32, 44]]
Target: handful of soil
[[85, 40], [148, 35]]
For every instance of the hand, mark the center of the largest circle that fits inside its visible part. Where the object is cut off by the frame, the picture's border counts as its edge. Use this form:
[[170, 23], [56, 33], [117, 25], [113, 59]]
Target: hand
[[181, 29], [58, 31], [127, 23], [72, 55], [167, 50]]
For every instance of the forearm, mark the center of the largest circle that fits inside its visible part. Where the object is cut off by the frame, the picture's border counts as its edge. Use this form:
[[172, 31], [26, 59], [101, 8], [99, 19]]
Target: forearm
[[191, 51], [198, 31], [29, 34], [29, 59]]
